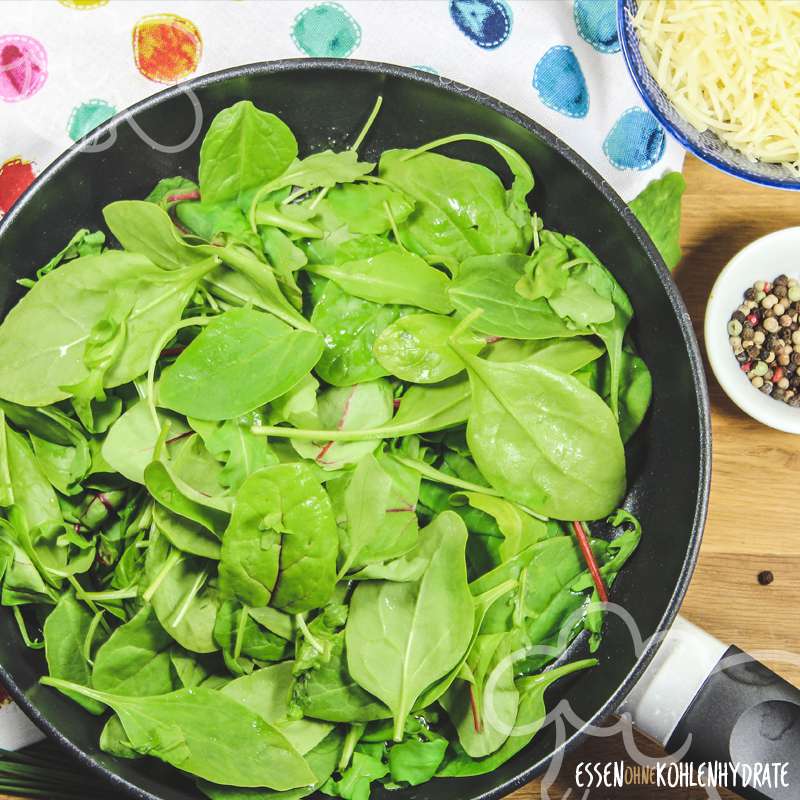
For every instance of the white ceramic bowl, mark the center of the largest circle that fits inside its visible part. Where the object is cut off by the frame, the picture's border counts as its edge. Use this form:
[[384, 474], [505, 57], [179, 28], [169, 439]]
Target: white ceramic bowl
[[762, 260]]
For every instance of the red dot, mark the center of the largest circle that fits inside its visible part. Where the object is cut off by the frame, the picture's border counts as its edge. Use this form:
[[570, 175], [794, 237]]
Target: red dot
[[16, 176]]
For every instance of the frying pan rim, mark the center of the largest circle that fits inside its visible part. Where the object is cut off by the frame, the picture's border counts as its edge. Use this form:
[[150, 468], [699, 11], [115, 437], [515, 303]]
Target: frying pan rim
[[552, 141]]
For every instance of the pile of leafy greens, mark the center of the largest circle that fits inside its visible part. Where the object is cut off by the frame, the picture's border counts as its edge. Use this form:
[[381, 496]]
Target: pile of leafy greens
[[293, 482]]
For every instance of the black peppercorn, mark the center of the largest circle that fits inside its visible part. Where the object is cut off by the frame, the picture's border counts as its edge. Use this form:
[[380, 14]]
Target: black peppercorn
[[767, 387], [771, 342], [750, 294], [765, 577], [738, 316], [742, 357], [754, 351], [781, 280], [780, 291]]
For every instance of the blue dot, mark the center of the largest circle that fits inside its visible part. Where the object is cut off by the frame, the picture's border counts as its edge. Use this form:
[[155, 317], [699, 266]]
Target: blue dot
[[558, 78], [596, 21], [485, 22], [425, 68], [636, 141]]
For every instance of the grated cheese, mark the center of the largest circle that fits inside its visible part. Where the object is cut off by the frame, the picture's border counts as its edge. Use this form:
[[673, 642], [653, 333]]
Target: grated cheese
[[730, 66]]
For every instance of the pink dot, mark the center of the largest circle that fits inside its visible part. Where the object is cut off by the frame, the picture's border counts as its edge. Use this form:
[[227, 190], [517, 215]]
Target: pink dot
[[23, 67]]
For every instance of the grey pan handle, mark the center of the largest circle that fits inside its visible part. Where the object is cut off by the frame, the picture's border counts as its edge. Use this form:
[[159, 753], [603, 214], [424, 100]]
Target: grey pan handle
[[717, 704]]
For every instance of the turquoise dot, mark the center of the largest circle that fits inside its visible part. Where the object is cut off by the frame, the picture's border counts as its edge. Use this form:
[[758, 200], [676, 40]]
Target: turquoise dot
[[326, 31], [559, 81], [636, 141], [596, 22], [87, 116], [426, 68]]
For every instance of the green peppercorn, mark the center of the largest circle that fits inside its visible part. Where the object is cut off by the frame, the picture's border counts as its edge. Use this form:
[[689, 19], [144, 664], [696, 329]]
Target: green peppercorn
[[793, 293], [760, 368], [734, 327]]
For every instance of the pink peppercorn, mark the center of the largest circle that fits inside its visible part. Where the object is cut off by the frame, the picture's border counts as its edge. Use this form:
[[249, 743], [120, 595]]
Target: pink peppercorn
[[747, 366], [752, 319]]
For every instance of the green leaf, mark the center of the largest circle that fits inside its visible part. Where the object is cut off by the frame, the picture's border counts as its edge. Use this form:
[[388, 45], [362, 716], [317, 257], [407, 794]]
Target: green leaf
[[416, 349], [323, 169], [328, 691], [167, 187], [43, 338], [83, 243], [239, 362], [393, 276], [399, 662], [185, 534], [267, 692], [322, 760], [416, 761], [461, 208], [487, 283], [658, 208], [145, 228], [179, 590], [244, 148], [251, 546], [362, 206], [33, 495], [530, 717], [357, 778], [281, 545], [65, 632], [135, 660], [130, 443], [234, 443], [114, 740], [183, 729], [543, 439], [244, 641], [348, 409], [350, 327], [180, 498]]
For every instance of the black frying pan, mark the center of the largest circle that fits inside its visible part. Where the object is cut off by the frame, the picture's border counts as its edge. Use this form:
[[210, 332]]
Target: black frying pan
[[325, 101]]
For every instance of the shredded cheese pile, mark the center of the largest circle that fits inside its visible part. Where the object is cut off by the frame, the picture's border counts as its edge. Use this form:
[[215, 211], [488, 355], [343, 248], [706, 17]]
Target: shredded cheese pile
[[730, 66]]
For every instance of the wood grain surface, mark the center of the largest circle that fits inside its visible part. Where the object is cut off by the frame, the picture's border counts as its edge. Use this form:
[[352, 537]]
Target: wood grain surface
[[752, 523]]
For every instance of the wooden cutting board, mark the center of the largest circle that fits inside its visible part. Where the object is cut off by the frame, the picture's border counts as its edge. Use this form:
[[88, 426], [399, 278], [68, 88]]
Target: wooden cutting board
[[752, 519], [752, 523]]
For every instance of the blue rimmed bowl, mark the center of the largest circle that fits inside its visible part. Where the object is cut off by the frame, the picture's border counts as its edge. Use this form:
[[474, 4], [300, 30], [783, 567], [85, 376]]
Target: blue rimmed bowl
[[706, 145]]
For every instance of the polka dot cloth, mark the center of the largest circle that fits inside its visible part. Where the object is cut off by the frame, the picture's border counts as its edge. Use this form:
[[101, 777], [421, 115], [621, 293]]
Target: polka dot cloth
[[67, 67]]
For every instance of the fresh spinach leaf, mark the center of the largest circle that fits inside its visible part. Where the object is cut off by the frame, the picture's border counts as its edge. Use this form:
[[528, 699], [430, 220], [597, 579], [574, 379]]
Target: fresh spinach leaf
[[393, 276], [544, 440], [136, 658], [244, 148], [238, 363], [658, 208], [415, 348], [182, 728], [396, 664]]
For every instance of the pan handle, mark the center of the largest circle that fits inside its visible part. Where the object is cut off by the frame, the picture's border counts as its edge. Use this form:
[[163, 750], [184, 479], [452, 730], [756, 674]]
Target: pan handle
[[721, 706]]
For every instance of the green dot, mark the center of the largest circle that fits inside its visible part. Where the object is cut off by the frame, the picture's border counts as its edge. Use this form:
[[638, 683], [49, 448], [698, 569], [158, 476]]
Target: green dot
[[326, 31], [87, 116]]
